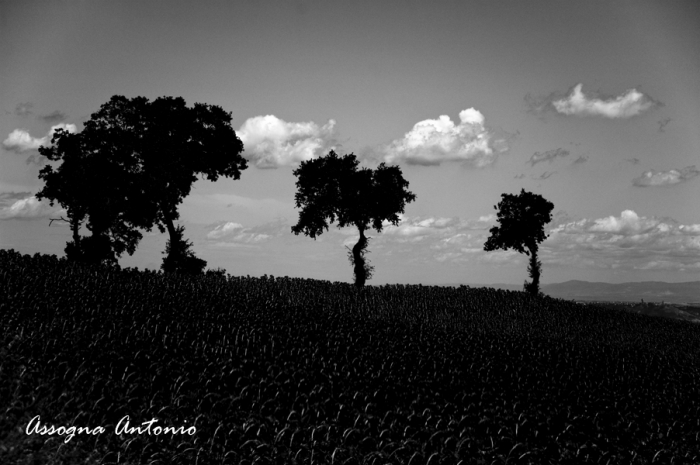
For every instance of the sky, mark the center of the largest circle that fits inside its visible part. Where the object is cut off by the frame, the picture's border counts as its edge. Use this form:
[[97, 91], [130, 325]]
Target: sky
[[594, 105]]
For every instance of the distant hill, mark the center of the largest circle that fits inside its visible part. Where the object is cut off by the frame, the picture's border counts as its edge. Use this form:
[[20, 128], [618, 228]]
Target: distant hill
[[650, 291]]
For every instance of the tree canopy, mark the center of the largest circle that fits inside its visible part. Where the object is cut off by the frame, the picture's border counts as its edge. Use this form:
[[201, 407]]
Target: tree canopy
[[521, 221], [332, 188], [152, 152], [95, 191]]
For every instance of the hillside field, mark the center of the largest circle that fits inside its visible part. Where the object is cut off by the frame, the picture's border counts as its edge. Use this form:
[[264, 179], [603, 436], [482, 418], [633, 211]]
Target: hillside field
[[278, 370]]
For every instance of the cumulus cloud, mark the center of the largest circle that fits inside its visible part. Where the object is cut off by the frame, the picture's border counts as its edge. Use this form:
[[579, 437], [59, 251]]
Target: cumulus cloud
[[24, 206], [549, 156], [580, 160], [575, 102], [434, 141], [653, 178], [237, 233], [20, 140], [230, 234], [625, 241], [433, 239], [629, 104], [628, 241], [441, 226], [634, 161], [628, 221], [270, 142]]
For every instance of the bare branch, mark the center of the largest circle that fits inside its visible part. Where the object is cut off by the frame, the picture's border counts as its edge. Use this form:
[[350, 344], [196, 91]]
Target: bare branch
[[58, 219]]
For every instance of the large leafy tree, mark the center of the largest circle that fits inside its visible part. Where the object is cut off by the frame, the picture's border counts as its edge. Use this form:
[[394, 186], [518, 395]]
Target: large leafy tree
[[521, 221], [93, 191], [155, 151], [332, 188]]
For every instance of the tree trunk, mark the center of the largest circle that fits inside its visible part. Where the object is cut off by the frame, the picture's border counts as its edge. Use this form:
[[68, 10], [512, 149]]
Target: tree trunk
[[74, 250], [534, 269], [169, 262], [359, 260], [75, 227]]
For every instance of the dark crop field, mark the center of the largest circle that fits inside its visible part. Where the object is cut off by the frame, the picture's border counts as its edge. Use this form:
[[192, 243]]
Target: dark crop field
[[295, 371]]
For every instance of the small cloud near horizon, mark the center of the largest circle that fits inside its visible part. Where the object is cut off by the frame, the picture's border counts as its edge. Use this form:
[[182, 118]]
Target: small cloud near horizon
[[653, 178], [628, 241], [229, 233]]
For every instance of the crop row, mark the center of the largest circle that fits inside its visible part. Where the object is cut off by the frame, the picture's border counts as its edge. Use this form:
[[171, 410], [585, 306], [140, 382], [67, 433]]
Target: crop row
[[285, 370]]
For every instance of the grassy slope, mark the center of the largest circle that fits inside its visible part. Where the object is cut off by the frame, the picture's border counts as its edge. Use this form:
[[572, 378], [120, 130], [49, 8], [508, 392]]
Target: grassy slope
[[302, 371]]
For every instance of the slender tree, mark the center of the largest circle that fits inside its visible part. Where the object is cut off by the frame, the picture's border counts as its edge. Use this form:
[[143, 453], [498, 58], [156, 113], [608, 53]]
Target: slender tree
[[521, 221], [332, 188]]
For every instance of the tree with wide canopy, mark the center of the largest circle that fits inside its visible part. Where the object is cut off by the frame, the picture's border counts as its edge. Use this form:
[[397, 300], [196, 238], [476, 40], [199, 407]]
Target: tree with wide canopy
[[148, 155]]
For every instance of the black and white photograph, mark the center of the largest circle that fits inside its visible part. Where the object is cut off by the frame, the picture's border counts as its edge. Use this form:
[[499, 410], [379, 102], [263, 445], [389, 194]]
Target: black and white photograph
[[363, 232]]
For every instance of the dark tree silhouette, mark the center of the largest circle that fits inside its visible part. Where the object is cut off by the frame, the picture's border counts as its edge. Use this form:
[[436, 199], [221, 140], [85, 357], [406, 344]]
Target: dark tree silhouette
[[95, 191], [171, 145], [332, 188], [184, 260], [156, 151], [521, 221]]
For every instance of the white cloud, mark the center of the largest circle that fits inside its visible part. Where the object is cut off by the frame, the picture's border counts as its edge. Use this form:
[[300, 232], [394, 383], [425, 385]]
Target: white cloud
[[654, 178], [629, 104], [434, 141], [224, 230], [20, 140], [625, 241], [235, 233], [270, 142], [628, 241], [28, 208], [628, 221]]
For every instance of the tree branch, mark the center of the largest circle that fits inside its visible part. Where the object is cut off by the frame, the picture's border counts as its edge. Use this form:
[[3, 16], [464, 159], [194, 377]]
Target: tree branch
[[58, 219]]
